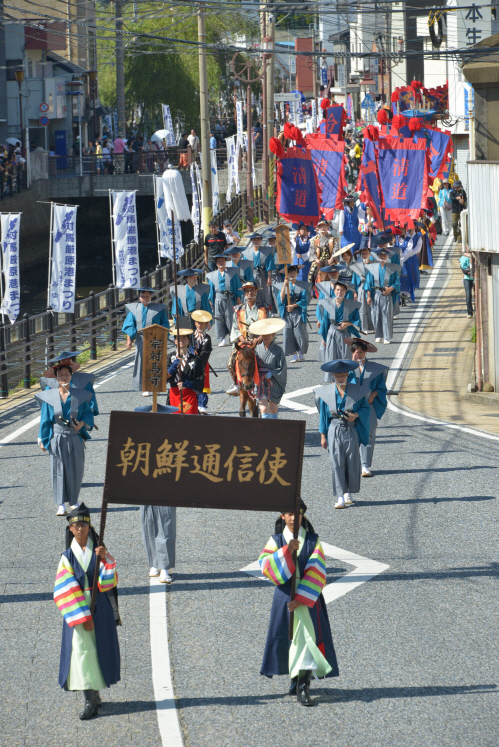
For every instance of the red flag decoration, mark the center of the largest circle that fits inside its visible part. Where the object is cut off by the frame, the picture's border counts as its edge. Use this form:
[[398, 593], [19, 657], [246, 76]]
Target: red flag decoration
[[328, 157], [336, 120], [297, 188], [403, 177]]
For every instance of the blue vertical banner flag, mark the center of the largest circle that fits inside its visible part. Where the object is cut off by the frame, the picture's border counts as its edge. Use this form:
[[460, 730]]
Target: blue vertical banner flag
[[314, 110], [368, 185], [328, 160], [165, 228], [11, 289], [168, 124], [63, 264], [115, 120], [125, 240], [239, 122], [335, 121], [297, 187], [403, 177], [195, 211], [232, 176]]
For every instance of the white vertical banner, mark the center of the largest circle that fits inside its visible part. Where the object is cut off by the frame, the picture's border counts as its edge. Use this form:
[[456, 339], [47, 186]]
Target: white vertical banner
[[165, 224], [200, 187], [240, 123], [310, 124], [215, 191], [115, 120], [168, 124], [292, 112], [10, 225], [299, 112], [126, 241], [63, 265], [195, 211], [109, 122], [232, 167]]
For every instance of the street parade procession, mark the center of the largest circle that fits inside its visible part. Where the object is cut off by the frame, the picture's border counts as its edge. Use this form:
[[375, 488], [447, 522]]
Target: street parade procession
[[196, 551]]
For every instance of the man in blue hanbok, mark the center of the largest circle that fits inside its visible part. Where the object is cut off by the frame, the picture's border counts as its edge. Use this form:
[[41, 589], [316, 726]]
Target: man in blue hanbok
[[339, 315], [245, 266], [141, 315], [79, 380], [343, 425], [382, 286], [294, 313], [191, 297], [225, 293], [348, 222]]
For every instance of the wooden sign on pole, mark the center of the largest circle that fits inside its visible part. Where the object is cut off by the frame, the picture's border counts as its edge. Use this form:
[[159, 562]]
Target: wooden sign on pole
[[154, 368], [283, 249]]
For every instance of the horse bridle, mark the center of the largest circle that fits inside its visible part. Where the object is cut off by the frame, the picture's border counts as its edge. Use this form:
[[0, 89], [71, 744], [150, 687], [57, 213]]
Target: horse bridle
[[245, 374]]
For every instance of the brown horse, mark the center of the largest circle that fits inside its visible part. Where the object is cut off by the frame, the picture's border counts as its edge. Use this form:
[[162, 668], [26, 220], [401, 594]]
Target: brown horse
[[246, 366]]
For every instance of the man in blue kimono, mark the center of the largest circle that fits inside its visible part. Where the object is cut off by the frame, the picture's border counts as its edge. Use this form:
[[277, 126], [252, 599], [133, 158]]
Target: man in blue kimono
[[343, 425], [79, 379], [294, 313], [339, 317], [263, 265], [348, 222], [141, 315], [382, 287], [191, 297], [225, 293], [245, 266]]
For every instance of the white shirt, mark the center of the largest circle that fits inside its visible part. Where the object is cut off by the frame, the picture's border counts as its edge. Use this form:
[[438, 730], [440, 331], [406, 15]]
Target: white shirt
[[193, 142], [341, 218], [230, 237]]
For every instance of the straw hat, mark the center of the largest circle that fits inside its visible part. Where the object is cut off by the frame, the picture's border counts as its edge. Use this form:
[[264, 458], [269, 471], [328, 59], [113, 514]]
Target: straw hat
[[370, 347], [201, 316], [267, 326], [183, 332], [343, 249]]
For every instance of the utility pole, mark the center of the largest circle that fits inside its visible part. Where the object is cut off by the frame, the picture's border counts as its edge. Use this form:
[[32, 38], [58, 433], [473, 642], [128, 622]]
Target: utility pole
[[265, 150], [205, 123], [270, 107], [314, 64], [120, 69]]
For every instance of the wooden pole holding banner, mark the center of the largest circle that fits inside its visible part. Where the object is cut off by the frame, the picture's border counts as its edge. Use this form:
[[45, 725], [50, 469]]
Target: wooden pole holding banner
[[103, 517], [283, 250], [176, 296]]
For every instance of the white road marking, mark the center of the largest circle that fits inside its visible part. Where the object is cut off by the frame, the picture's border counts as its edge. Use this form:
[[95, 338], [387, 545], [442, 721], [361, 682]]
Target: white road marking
[[19, 431], [287, 400], [364, 570], [168, 723], [452, 426]]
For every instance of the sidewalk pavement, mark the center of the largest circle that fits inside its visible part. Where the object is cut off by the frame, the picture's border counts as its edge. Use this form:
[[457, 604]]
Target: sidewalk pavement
[[436, 383]]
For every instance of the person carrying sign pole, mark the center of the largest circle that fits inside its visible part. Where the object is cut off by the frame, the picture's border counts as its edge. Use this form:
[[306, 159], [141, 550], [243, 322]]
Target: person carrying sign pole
[[185, 369], [311, 649], [141, 315]]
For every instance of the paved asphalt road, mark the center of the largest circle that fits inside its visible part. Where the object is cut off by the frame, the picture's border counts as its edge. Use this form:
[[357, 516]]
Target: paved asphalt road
[[417, 644]]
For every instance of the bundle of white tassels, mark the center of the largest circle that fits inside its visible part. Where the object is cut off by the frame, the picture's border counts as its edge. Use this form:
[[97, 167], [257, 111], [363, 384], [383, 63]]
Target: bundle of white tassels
[[174, 192]]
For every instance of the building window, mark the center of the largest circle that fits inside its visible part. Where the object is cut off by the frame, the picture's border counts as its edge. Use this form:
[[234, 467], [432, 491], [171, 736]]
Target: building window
[[11, 65]]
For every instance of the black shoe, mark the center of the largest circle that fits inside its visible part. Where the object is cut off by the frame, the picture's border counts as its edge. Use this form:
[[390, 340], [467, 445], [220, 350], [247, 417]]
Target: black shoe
[[98, 699], [293, 685], [303, 695], [91, 706]]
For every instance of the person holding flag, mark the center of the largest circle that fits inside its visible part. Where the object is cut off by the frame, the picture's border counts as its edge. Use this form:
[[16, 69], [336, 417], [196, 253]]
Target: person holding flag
[[292, 298]]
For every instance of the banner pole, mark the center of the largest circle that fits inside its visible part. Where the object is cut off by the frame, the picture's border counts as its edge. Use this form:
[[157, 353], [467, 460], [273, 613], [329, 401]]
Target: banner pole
[[51, 234], [296, 529], [103, 517], [177, 323], [113, 258]]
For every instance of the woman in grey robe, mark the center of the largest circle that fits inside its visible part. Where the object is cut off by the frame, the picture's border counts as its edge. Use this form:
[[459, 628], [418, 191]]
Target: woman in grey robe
[[65, 418], [271, 363]]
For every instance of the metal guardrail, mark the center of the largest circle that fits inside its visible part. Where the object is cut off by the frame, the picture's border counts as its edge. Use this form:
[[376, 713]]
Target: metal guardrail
[[27, 345], [13, 181]]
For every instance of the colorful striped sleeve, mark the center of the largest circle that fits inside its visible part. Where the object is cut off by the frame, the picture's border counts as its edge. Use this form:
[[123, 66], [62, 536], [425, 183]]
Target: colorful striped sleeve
[[314, 578], [108, 577], [276, 565], [68, 595]]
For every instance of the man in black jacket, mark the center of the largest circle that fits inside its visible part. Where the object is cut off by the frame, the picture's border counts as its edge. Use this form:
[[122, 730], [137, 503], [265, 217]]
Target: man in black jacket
[[203, 348], [459, 203], [215, 243]]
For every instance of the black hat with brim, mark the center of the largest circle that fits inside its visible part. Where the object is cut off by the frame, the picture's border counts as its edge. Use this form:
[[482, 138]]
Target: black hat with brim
[[339, 366], [80, 513], [146, 288], [65, 355], [219, 256], [189, 271]]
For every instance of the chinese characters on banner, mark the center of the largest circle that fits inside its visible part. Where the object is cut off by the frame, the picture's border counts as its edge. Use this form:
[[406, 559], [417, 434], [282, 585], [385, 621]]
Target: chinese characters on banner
[[179, 461], [154, 368], [195, 211], [283, 244], [215, 189], [297, 189], [10, 224], [125, 237], [240, 123], [327, 158], [168, 124], [63, 269], [164, 221], [335, 121], [473, 23], [368, 184], [403, 177], [232, 175]]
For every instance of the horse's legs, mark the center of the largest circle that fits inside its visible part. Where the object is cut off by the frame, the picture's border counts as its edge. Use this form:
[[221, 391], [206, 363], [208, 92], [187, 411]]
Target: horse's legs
[[253, 406], [242, 402]]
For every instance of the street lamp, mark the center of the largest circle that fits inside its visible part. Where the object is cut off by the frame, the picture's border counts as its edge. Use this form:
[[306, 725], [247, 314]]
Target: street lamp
[[19, 73]]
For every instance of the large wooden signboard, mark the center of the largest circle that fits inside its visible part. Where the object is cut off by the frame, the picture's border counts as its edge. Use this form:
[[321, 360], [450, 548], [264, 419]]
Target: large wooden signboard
[[154, 353], [283, 244], [215, 462]]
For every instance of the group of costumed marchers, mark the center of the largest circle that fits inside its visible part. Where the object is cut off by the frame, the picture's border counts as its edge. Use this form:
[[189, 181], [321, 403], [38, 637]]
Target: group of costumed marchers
[[361, 273]]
